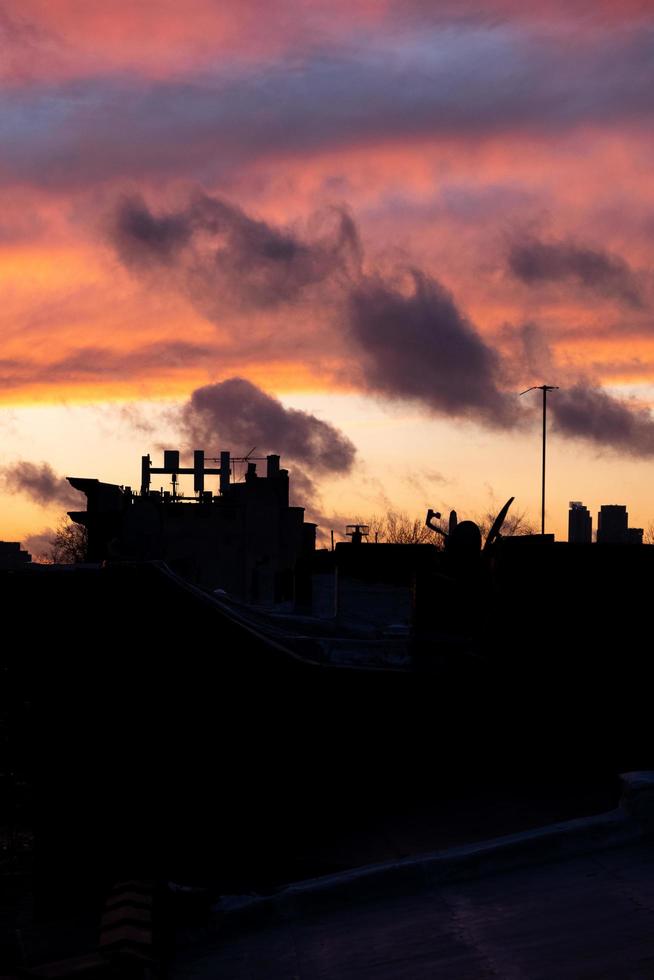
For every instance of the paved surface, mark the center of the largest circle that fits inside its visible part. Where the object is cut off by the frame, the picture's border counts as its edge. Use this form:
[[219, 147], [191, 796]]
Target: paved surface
[[590, 917]]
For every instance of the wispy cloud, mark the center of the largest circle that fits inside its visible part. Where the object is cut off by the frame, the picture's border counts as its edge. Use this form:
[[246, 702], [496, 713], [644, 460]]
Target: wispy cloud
[[40, 483], [536, 262]]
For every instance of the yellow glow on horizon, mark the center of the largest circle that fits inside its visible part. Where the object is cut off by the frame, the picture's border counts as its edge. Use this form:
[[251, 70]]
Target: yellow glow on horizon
[[404, 461]]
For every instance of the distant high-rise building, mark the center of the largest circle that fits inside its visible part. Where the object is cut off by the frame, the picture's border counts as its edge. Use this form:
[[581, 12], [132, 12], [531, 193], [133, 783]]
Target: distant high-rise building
[[612, 524], [635, 535], [580, 523]]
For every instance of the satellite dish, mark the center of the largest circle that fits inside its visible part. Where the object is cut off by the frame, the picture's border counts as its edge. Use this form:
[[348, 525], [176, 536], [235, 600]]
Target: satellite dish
[[497, 524]]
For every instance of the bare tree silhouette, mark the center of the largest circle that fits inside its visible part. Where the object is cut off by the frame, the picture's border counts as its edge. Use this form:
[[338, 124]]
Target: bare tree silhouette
[[397, 527], [516, 523], [70, 543]]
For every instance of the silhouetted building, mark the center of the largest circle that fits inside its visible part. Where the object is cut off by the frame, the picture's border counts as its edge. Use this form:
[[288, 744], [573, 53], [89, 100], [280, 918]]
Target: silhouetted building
[[612, 523], [12, 555], [613, 526], [580, 523], [376, 583], [245, 538]]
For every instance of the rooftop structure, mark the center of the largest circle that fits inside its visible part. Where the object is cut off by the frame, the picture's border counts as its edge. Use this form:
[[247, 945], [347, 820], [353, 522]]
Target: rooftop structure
[[242, 536], [12, 555]]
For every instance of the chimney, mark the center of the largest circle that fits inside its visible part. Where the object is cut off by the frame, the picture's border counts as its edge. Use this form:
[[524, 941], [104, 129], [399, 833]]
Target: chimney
[[145, 474], [273, 466], [198, 470], [171, 460], [225, 471]]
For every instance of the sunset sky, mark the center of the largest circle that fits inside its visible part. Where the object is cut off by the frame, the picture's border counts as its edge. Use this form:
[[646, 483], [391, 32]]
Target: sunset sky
[[350, 233]]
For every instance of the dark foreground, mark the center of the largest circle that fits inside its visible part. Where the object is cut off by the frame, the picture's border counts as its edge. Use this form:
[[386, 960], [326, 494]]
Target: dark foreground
[[590, 917], [155, 738]]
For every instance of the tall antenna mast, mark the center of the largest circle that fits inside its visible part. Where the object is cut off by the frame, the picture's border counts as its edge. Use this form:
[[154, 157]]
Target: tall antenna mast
[[544, 389]]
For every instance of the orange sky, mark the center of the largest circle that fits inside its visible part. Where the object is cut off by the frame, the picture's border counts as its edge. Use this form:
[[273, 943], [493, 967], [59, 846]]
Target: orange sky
[[504, 154]]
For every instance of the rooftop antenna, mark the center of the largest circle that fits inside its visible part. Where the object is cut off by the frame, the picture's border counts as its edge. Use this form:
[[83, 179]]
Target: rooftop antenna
[[544, 389], [246, 460]]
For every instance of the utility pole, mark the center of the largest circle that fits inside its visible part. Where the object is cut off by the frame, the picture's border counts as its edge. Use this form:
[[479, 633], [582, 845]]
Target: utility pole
[[544, 389]]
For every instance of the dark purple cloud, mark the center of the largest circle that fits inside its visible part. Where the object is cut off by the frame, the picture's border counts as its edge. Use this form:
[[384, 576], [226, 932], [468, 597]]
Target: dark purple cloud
[[419, 346], [142, 238], [535, 262], [236, 414], [40, 483], [586, 411], [223, 257], [461, 80], [413, 344]]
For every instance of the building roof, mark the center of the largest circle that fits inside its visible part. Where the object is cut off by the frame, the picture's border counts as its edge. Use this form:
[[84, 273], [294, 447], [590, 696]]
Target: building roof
[[591, 916]]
